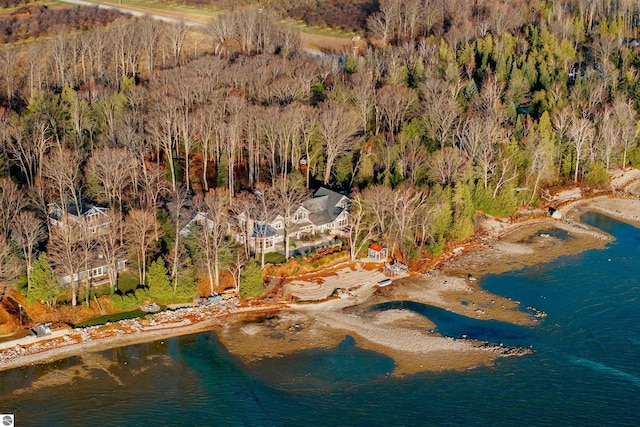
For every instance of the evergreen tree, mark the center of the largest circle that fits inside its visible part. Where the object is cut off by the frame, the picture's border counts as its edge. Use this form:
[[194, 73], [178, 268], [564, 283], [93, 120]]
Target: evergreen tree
[[160, 289], [187, 286], [463, 211], [251, 284], [44, 283]]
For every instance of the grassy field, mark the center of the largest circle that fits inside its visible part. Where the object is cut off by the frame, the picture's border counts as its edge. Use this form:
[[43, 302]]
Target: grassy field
[[313, 37], [171, 9]]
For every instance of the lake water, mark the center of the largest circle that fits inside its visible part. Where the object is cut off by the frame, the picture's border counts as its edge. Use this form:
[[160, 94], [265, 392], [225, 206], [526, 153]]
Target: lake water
[[585, 370]]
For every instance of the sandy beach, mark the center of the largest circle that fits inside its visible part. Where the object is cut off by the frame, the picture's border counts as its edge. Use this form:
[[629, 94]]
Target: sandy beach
[[276, 329]]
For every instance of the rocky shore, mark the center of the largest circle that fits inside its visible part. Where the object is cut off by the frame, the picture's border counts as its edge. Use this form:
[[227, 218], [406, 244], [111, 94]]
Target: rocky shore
[[77, 341]]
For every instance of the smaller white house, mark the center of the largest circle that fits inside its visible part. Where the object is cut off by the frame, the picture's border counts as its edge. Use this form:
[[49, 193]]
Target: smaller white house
[[96, 272], [95, 217], [198, 218]]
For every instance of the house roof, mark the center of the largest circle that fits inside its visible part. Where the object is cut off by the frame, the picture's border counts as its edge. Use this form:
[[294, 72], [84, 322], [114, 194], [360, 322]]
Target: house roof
[[197, 216], [262, 230], [375, 247], [333, 197], [303, 225], [95, 210], [324, 206], [56, 210]]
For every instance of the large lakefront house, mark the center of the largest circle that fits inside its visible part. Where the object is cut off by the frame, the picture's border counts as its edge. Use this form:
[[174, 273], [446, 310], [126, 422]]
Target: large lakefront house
[[326, 213], [96, 219]]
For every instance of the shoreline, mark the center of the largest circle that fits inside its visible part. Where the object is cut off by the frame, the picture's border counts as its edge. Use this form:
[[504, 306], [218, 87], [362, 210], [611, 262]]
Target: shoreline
[[93, 339], [403, 336]]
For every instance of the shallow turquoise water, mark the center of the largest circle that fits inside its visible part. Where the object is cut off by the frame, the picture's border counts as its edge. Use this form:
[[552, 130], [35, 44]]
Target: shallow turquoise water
[[585, 370]]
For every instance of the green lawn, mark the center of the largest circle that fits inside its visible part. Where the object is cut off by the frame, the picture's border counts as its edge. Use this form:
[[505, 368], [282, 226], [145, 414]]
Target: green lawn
[[274, 258], [112, 318], [128, 281], [165, 6]]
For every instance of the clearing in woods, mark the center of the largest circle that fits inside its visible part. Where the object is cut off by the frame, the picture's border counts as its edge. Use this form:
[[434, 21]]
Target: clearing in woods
[[312, 37]]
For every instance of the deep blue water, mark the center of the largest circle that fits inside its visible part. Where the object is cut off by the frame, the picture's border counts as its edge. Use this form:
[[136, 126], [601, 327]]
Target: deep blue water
[[585, 370]]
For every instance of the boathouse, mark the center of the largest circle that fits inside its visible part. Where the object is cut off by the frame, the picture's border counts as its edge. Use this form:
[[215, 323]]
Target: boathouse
[[377, 252]]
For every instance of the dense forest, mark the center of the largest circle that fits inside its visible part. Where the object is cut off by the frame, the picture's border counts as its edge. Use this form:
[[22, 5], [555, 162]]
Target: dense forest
[[453, 108]]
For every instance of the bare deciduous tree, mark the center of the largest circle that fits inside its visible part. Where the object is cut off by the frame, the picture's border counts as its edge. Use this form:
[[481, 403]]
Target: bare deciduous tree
[[393, 104], [29, 232], [12, 201], [441, 112], [406, 205], [154, 188], [506, 173], [361, 226], [288, 195], [205, 121], [377, 200], [114, 168], [608, 135], [447, 165], [627, 126], [10, 60], [337, 127], [86, 244], [9, 266], [176, 35], [59, 49], [66, 256], [26, 144], [265, 213], [162, 128], [150, 31], [413, 156], [61, 170], [581, 132], [363, 96], [236, 269], [210, 234], [140, 226], [112, 246], [178, 200], [235, 106], [245, 206]]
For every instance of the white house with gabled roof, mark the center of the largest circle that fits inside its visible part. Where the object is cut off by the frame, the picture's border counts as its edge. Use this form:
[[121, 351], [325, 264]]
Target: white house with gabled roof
[[95, 217], [325, 213]]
